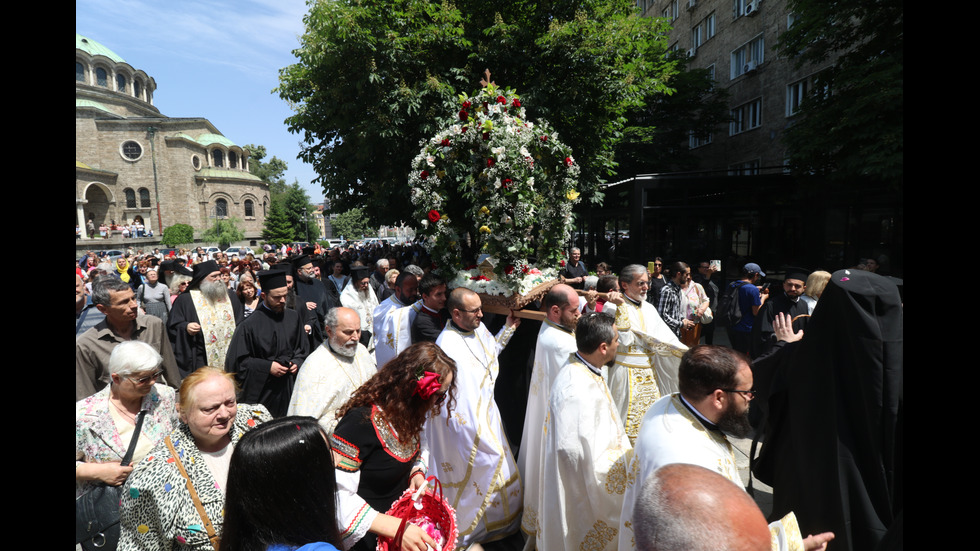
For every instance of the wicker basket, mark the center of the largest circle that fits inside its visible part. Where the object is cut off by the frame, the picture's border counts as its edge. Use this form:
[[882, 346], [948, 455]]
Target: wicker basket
[[430, 508]]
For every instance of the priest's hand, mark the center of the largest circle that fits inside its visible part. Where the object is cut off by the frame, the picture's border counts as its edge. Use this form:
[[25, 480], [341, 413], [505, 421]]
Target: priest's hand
[[818, 542], [614, 297], [311, 306], [590, 299], [278, 369], [193, 328], [782, 327], [512, 320]]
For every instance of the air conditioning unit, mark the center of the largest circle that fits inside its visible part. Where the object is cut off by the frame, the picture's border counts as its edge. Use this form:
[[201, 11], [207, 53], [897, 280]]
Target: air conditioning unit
[[691, 52], [691, 4], [750, 67], [751, 8]]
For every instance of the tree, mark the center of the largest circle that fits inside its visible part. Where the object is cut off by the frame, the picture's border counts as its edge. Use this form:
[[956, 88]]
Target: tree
[[352, 224], [295, 202], [224, 232], [178, 234], [374, 79], [277, 228], [271, 172], [657, 134], [852, 125]]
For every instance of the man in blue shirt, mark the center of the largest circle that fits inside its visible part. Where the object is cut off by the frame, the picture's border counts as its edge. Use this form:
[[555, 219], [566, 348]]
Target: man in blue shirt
[[750, 300]]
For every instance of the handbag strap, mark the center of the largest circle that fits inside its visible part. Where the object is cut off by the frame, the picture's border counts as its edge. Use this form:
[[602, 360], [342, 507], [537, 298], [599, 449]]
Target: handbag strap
[[212, 535], [128, 458]]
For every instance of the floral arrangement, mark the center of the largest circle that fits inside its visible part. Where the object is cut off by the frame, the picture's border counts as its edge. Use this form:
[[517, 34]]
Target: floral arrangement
[[492, 182]]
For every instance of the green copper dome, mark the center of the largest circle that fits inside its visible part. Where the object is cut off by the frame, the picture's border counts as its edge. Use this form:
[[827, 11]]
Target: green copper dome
[[94, 48]]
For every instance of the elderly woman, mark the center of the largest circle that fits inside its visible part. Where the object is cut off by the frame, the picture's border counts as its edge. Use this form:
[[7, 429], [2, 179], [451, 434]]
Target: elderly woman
[[158, 510], [154, 296], [178, 284], [378, 444], [105, 422]]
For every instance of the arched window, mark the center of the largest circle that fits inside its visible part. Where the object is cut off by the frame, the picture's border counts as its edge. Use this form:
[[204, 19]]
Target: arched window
[[137, 88], [219, 157], [221, 208], [102, 77], [79, 72], [120, 83], [144, 197], [232, 160], [249, 208], [130, 199]]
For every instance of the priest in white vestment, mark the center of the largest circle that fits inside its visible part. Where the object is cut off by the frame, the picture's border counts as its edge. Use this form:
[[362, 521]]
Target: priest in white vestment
[[331, 374], [556, 341], [690, 427], [649, 352], [393, 319], [360, 297], [586, 451], [469, 451]]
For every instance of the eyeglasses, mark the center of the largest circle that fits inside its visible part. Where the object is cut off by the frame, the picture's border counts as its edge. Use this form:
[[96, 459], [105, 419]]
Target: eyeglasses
[[749, 394], [143, 380], [473, 311]]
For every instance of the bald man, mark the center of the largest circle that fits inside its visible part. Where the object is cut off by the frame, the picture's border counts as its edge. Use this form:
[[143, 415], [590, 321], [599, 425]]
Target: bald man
[[687, 507]]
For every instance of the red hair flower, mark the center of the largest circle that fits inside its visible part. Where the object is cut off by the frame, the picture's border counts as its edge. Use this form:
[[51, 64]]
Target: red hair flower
[[427, 385], [434, 216]]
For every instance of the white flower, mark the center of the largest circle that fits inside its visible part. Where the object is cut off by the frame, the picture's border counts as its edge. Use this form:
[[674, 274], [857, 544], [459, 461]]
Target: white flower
[[431, 160], [499, 153]]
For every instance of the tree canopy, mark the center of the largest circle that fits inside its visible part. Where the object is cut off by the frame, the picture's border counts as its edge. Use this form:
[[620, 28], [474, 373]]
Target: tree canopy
[[352, 224], [375, 79], [277, 228], [178, 234], [224, 232], [853, 125]]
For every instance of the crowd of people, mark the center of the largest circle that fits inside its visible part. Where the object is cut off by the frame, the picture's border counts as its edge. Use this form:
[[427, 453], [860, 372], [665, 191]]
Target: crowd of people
[[227, 396]]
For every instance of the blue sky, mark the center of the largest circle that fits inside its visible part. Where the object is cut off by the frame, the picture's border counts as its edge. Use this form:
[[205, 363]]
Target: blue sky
[[216, 59]]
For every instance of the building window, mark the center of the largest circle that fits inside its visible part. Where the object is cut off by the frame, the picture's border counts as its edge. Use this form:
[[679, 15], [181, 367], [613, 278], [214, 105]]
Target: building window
[[671, 10], [79, 72], [791, 20], [697, 141], [130, 198], [703, 31], [102, 77], [742, 7], [748, 57], [746, 117], [794, 96], [232, 160], [120, 83], [144, 198], [196, 162], [138, 88], [748, 168], [249, 209], [221, 208], [219, 157], [131, 150]]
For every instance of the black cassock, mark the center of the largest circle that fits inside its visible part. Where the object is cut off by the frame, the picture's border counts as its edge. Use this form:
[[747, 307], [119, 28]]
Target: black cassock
[[763, 333], [189, 350], [262, 338], [315, 291]]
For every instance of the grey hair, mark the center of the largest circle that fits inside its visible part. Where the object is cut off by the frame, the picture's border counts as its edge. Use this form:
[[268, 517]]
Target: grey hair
[[631, 272], [333, 315], [133, 357], [414, 270], [104, 286], [591, 282], [381, 262], [176, 280]]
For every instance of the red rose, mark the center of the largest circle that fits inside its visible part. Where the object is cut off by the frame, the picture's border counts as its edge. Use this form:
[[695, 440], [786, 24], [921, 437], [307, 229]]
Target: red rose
[[502, 100], [507, 183], [561, 263], [486, 136], [463, 115], [490, 163], [466, 105], [424, 175], [524, 270], [516, 102], [427, 385], [465, 129], [568, 161], [434, 216], [445, 143], [544, 138], [509, 269]]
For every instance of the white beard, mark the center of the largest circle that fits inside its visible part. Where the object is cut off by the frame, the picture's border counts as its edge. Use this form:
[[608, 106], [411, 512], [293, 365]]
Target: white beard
[[214, 291], [347, 351]]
